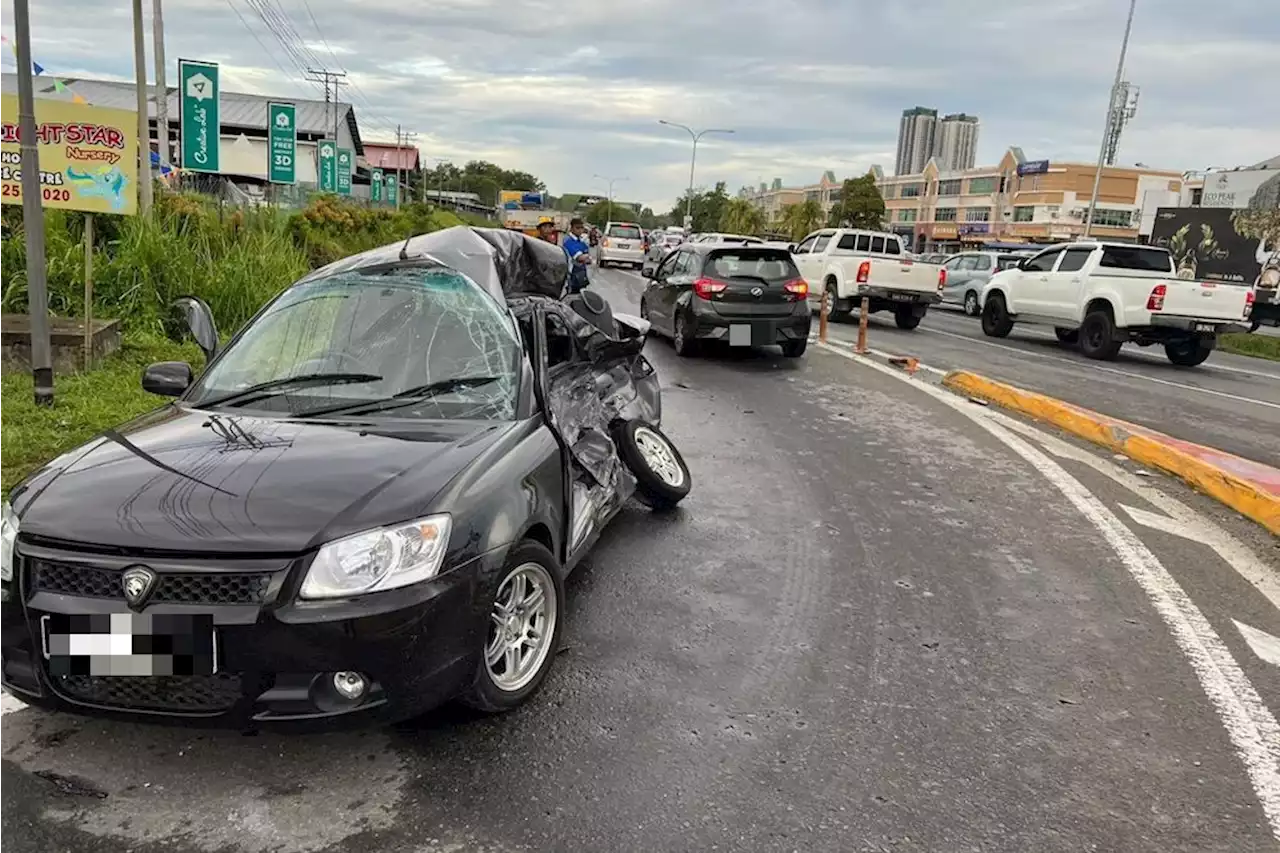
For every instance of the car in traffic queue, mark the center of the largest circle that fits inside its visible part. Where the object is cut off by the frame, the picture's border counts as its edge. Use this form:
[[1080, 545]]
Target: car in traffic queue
[[661, 245], [969, 272], [718, 237], [746, 296], [622, 244], [365, 506]]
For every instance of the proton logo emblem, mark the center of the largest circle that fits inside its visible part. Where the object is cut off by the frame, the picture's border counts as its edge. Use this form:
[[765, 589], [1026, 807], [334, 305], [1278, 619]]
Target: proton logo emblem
[[757, 292], [138, 582]]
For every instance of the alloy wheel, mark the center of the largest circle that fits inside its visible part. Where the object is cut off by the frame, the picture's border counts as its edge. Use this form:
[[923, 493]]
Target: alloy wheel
[[658, 456], [521, 627]]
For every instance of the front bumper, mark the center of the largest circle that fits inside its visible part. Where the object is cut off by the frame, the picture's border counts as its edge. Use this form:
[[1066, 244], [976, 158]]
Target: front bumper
[[710, 325], [1197, 325], [416, 646]]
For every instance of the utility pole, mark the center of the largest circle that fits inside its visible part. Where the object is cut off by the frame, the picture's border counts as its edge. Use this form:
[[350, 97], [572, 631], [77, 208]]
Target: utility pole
[[32, 211], [696, 134], [328, 78], [144, 126], [609, 202], [1106, 129], [162, 90], [405, 137]]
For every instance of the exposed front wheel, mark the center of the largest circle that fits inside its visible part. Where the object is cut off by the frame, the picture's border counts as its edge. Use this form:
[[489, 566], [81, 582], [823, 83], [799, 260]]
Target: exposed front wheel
[[995, 319], [1098, 337], [906, 317], [521, 632], [971, 304], [1188, 352], [1067, 336], [662, 477]]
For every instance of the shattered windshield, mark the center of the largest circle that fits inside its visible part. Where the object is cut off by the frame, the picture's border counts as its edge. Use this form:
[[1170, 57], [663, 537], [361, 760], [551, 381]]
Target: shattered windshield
[[416, 342]]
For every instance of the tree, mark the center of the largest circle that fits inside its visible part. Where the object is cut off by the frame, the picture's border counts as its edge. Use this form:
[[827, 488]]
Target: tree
[[798, 220], [600, 213], [708, 207], [481, 177], [742, 217], [860, 205]]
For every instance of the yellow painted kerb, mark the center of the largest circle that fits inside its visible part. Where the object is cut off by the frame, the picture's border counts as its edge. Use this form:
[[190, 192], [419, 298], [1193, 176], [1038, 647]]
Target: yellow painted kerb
[[1239, 494]]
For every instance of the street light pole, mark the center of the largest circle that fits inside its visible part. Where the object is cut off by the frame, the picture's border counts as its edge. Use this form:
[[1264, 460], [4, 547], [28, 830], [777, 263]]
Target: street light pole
[[695, 135], [1106, 128], [610, 182], [32, 211]]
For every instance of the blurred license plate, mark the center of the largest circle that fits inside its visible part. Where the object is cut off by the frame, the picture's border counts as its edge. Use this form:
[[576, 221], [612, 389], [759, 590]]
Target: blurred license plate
[[129, 644], [739, 335], [1205, 327], [901, 297], [624, 245]]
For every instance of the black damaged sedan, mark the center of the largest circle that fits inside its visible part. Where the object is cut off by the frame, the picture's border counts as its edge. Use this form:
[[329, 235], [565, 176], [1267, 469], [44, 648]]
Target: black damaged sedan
[[365, 506]]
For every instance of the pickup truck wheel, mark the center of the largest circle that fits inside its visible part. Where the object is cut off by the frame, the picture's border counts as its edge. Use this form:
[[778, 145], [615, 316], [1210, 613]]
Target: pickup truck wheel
[[995, 319], [906, 318], [833, 299], [662, 477], [1067, 336], [1188, 352], [1098, 337], [971, 304], [682, 340]]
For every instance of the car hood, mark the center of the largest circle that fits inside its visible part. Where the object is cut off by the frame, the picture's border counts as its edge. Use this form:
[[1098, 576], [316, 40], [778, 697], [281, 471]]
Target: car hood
[[191, 481]]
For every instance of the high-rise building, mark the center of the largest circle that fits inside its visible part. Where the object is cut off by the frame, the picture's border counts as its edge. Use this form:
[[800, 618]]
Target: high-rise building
[[955, 142], [915, 140]]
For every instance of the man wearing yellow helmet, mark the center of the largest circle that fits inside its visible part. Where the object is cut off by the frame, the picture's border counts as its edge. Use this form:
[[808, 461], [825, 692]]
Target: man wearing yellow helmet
[[547, 230]]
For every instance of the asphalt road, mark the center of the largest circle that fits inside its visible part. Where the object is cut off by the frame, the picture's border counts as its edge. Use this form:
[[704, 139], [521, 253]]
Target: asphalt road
[[880, 622], [1230, 402]]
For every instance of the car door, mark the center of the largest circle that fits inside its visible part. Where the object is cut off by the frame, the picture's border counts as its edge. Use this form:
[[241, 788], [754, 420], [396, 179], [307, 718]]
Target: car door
[[1065, 284], [657, 293], [803, 256], [958, 269], [1029, 291]]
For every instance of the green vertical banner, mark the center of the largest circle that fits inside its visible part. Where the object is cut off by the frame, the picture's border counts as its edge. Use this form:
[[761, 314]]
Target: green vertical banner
[[282, 150], [327, 166], [393, 187], [375, 185], [345, 158], [199, 115]]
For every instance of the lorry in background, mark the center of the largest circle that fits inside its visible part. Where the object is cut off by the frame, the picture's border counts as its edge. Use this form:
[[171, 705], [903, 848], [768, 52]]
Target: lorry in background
[[522, 210], [849, 264], [1100, 296]]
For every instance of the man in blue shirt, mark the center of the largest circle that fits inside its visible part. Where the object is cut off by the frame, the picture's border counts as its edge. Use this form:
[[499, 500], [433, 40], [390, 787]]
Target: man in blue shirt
[[579, 251]]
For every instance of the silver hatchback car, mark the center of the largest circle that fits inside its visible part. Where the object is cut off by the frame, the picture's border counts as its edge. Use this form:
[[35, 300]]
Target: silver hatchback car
[[968, 272]]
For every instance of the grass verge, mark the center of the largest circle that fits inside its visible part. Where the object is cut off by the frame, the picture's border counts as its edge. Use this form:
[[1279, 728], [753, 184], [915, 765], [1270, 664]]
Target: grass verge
[[1256, 345]]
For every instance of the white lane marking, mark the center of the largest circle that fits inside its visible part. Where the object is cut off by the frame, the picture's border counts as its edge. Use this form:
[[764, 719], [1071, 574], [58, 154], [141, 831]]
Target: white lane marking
[[1100, 368], [9, 704], [1264, 645], [1163, 523], [1132, 353], [1186, 521], [1252, 728]]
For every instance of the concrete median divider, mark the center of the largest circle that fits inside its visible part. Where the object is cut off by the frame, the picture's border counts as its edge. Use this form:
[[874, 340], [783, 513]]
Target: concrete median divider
[[1248, 487]]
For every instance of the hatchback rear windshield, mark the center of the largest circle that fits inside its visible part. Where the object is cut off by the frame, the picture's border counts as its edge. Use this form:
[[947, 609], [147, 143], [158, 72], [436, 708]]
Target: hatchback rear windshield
[[765, 264], [626, 232], [1136, 258]]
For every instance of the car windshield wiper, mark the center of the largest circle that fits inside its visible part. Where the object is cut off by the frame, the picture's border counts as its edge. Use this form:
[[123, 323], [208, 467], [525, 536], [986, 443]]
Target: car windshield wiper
[[406, 397], [276, 386]]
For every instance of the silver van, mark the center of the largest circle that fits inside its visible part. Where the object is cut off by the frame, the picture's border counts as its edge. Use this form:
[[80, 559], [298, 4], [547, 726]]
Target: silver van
[[967, 272]]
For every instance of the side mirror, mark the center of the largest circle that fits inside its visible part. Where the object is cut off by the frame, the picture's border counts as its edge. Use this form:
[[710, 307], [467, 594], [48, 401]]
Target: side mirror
[[1022, 264], [791, 247], [198, 318], [167, 378], [648, 272]]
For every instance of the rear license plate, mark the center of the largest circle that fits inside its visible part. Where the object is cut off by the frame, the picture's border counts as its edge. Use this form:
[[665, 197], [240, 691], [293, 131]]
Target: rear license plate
[[129, 644], [1205, 327], [624, 245], [739, 335], [901, 297]]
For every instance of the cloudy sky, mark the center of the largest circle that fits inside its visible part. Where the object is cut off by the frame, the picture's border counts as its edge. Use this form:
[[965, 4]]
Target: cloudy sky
[[568, 90]]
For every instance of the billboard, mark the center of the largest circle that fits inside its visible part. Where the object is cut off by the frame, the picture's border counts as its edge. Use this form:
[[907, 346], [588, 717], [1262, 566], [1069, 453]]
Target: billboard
[[88, 156], [1033, 167], [520, 200], [1206, 244], [1257, 188]]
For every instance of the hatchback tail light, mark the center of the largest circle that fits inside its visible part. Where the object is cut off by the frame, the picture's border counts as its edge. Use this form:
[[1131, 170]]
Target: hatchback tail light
[[1155, 302], [942, 278], [705, 288], [864, 272], [1249, 299], [798, 288]]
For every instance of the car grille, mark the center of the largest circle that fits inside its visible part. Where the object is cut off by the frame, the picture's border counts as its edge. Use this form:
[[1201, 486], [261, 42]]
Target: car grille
[[184, 588], [192, 694]]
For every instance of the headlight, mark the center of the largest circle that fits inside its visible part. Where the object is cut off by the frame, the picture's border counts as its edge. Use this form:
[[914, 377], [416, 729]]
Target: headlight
[[8, 536], [384, 558]]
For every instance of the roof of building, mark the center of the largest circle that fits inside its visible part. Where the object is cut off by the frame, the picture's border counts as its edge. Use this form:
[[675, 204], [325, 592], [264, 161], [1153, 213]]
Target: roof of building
[[1270, 163], [385, 156], [238, 109]]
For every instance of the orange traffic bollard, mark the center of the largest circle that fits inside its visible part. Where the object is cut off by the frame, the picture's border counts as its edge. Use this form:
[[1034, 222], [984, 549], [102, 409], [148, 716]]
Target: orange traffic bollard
[[861, 348], [823, 311]]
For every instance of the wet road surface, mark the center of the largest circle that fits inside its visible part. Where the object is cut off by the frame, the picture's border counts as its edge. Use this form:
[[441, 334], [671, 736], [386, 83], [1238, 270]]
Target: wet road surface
[[872, 626]]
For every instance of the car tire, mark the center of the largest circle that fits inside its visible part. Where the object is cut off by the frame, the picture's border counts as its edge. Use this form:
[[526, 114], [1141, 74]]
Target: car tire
[[971, 308], [662, 477], [538, 566], [684, 345], [995, 319], [906, 318], [1067, 336], [795, 349], [836, 315], [1188, 352], [1098, 337], [644, 315]]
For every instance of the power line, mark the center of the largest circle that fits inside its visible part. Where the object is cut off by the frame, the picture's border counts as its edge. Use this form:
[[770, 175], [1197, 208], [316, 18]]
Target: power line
[[269, 54], [355, 87]]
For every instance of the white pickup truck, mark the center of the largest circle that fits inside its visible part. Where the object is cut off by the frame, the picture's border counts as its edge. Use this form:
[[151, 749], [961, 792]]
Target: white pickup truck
[[850, 264], [1102, 295]]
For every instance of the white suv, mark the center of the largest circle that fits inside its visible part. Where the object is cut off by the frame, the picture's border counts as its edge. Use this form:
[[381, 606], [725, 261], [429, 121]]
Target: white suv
[[622, 243]]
